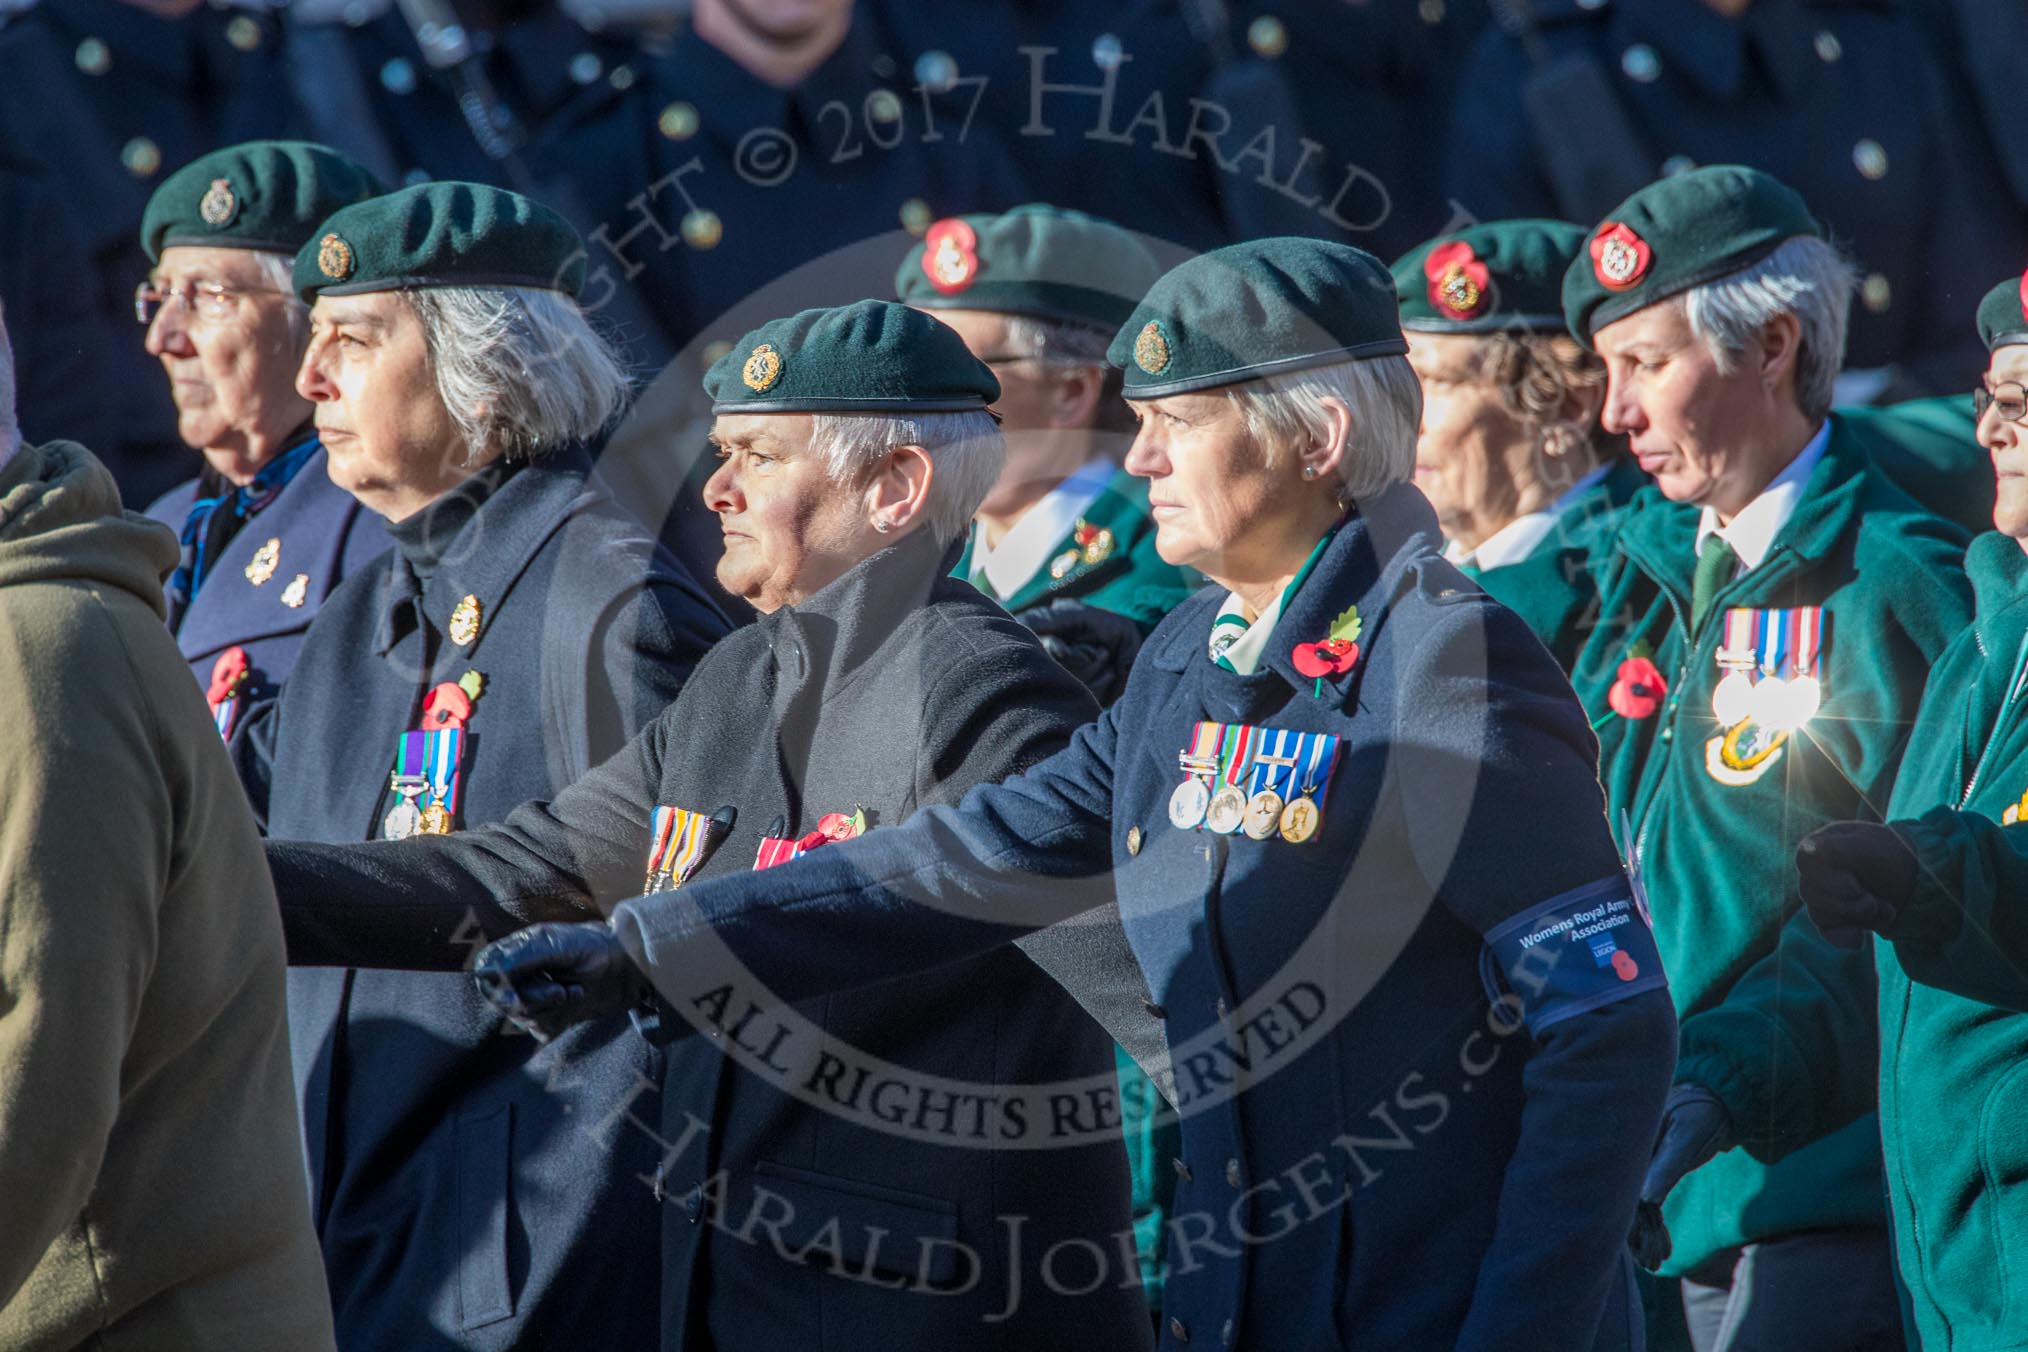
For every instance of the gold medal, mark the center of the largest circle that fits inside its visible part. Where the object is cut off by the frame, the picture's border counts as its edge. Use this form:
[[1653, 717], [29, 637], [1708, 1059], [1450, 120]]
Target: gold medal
[[1188, 803], [1227, 811], [1263, 814], [1299, 821], [436, 821], [465, 621], [265, 560]]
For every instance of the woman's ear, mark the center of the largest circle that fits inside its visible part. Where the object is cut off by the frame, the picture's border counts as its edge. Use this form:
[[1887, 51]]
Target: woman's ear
[[898, 493], [1321, 457]]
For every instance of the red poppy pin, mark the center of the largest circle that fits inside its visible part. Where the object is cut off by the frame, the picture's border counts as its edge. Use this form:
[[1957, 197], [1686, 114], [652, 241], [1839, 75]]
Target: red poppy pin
[[447, 706], [1638, 689], [1458, 281], [1332, 655], [950, 256], [841, 825], [1624, 966], [228, 674], [1619, 257]]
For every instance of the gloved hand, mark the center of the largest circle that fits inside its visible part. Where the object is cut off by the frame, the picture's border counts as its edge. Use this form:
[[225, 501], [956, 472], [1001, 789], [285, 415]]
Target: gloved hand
[[1856, 877], [547, 977], [1695, 1126], [1097, 646]]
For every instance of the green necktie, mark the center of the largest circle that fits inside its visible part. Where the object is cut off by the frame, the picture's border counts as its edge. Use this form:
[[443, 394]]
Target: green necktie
[[1715, 565]]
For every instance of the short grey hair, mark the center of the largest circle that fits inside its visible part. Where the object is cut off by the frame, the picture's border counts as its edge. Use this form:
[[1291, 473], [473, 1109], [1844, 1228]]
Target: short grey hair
[[1386, 402], [278, 271], [519, 369], [1805, 277], [966, 449], [1067, 343]]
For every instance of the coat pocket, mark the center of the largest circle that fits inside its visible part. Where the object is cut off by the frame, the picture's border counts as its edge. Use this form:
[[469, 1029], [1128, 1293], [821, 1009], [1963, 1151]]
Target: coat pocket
[[2003, 1158], [864, 1227], [483, 1145]]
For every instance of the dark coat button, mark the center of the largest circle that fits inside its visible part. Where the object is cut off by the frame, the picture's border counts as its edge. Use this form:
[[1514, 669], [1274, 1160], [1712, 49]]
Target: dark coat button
[[1155, 1011], [1182, 1170]]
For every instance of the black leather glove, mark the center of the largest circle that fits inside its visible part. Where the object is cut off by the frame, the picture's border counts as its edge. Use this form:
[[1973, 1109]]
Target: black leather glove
[[1856, 877], [1097, 646], [1695, 1126], [547, 977]]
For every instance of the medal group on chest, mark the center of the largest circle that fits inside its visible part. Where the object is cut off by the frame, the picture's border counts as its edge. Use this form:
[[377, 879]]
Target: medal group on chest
[[1261, 782]]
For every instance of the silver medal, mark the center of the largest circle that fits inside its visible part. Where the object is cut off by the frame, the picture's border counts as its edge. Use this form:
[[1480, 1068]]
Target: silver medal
[[1188, 803]]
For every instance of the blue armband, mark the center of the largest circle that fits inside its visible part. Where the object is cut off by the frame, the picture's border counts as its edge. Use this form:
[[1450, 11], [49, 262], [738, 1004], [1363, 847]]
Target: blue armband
[[1576, 952]]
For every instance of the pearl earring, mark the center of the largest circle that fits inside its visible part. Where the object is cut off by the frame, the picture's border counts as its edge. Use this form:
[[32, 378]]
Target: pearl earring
[[1309, 471], [883, 525]]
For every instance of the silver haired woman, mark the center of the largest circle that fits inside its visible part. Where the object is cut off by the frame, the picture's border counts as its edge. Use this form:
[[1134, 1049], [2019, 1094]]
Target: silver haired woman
[[1418, 1052], [521, 630]]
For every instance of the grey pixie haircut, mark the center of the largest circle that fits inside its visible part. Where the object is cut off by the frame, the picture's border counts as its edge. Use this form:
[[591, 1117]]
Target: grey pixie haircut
[[1805, 277], [966, 449], [518, 368], [1282, 411]]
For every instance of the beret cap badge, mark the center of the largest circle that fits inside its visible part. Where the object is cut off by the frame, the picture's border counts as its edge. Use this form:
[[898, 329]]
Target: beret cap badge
[[1458, 280], [1619, 257], [218, 206], [763, 368], [1151, 349], [950, 256], [334, 258]]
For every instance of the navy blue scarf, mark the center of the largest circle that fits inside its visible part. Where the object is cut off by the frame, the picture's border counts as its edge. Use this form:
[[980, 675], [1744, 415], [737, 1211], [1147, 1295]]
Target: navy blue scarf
[[215, 519]]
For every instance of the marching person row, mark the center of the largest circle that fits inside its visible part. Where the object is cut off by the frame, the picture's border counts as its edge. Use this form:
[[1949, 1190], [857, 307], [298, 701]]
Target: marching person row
[[1309, 957]]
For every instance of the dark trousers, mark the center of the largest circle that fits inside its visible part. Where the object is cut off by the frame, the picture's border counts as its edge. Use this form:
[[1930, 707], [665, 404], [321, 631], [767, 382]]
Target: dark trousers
[[1819, 1291]]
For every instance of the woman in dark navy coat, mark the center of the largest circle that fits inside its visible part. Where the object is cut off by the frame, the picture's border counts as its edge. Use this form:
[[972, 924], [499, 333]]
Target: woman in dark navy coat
[[464, 1193], [1421, 1034]]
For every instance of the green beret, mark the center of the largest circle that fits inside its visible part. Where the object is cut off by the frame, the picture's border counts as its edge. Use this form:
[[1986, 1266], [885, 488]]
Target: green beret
[[1035, 260], [1257, 309], [1678, 233], [1498, 276], [2003, 314], [441, 234], [267, 195], [873, 356]]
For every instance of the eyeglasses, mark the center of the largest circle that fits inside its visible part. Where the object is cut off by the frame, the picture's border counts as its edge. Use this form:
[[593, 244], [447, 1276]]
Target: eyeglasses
[[2010, 397], [206, 300]]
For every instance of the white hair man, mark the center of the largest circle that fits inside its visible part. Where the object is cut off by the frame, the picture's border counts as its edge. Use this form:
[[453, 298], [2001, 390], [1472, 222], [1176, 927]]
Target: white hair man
[[1790, 599], [265, 534], [148, 1149], [519, 632]]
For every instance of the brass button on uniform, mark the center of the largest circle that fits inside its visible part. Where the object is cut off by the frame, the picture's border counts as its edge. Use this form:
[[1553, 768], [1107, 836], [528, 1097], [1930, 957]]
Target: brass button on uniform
[[1641, 64], [1179, 1330], [1869, 157], [94, 57], [1828, 47], [678, 121], [1133, 840], [916, 216], [244, 34], [1232, 1174], [1268, 36], [1876, 293], [141, 156], [1225, 1334], [702, 229]]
